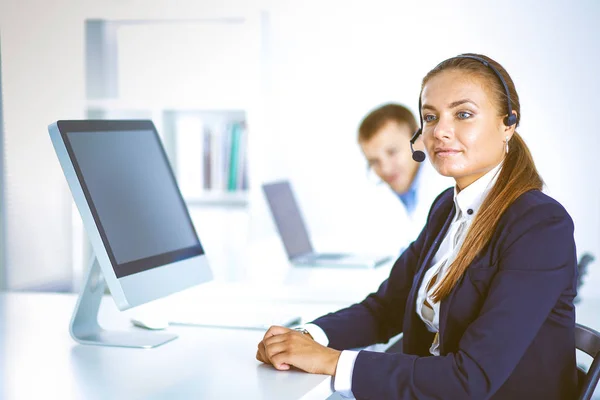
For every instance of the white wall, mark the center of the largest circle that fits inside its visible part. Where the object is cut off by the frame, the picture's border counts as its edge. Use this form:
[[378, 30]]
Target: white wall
[[42, 70], [326, 65], [2, 227]]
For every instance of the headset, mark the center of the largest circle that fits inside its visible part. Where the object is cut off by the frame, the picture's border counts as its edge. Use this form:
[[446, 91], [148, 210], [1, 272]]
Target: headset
[[509, 120]]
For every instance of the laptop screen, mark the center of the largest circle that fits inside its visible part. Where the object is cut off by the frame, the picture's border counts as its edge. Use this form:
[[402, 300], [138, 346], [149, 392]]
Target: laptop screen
[[288, 219]]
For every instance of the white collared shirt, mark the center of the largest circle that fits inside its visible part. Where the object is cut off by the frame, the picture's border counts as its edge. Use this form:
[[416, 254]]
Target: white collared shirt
[[470, 198]]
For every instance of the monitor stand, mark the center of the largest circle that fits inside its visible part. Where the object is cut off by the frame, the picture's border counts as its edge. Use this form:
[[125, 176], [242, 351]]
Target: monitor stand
[[84, 322]]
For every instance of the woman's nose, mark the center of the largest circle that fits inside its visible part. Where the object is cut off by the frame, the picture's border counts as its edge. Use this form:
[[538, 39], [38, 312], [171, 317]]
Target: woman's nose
[[444, 129]]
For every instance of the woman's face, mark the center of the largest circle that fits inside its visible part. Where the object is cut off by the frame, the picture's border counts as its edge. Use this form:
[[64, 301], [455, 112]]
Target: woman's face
[[463, 134]]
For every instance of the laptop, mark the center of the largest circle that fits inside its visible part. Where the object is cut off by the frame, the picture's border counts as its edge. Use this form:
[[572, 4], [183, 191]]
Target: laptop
[[294, 235]]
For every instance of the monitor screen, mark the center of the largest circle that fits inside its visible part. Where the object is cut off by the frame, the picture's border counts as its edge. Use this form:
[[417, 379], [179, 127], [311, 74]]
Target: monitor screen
[[133, 197]]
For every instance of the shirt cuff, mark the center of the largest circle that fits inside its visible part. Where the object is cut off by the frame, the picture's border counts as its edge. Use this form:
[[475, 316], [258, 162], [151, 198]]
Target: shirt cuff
[[317, 334], [342, 382]]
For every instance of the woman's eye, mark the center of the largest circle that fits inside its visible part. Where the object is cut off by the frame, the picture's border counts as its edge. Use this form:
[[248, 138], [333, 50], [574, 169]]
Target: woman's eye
[[429, 118], [464, 115]]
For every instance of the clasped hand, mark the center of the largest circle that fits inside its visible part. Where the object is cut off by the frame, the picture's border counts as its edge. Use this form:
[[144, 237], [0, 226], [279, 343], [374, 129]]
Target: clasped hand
[[284, 347]]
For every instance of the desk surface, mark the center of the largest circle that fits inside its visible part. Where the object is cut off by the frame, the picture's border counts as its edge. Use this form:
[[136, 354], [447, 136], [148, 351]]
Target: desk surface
[[40, 358]]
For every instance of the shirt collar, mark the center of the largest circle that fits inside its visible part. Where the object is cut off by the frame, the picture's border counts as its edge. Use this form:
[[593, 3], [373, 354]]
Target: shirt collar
[[471, 197]]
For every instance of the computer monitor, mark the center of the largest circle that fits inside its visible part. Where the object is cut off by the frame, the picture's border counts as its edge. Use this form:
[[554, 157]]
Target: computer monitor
[[144, 242]]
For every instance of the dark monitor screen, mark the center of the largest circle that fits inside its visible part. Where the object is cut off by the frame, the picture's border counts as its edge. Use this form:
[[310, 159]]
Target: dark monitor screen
[[132, 193]]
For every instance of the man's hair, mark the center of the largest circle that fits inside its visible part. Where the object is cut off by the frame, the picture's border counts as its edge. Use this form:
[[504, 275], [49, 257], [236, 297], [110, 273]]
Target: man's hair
[[382, 115]]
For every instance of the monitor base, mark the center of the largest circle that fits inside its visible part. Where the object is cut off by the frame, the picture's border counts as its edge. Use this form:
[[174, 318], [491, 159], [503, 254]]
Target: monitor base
[[84, 322]]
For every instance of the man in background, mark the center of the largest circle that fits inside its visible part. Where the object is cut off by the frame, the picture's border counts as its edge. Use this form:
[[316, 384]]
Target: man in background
[[383, 136]]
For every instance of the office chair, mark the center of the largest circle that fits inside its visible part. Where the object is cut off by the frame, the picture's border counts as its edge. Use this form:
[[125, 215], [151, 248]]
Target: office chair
[[582, 267], [588, 341]]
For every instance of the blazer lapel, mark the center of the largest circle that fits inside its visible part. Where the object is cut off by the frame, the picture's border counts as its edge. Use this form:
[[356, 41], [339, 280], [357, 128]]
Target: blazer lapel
[[443, 319], [412, 322], [444, 308], [433, 248]]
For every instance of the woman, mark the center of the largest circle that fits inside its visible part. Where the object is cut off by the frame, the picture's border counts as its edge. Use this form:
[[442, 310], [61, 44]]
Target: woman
[[484, 296]]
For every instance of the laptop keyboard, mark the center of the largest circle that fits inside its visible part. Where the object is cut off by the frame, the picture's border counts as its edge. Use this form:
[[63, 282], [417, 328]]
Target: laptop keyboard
[[330, 256]]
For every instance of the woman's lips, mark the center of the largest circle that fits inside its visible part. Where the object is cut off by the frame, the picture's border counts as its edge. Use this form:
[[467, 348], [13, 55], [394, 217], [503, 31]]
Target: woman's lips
[[446, 152]]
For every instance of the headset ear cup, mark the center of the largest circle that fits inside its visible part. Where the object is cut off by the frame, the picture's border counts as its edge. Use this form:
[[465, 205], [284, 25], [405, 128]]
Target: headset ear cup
[[510, 120]]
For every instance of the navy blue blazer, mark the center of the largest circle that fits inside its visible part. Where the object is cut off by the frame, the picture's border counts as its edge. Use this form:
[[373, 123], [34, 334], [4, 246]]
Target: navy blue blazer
[[506, 329]]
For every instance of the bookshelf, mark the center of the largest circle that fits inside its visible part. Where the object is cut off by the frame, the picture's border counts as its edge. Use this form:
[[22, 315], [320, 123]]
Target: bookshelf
[[207, 149], [197, 80]]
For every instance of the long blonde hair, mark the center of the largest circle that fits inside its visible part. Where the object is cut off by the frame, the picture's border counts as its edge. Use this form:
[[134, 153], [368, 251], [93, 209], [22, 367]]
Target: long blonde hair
[[518, 174]]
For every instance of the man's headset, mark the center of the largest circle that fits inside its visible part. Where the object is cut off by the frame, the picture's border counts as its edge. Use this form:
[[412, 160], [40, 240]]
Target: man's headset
[[509, 120]]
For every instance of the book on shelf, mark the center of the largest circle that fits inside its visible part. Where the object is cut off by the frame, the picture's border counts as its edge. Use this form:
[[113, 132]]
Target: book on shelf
[[242, 165], [210, 156], [234, 157], [206, 159]]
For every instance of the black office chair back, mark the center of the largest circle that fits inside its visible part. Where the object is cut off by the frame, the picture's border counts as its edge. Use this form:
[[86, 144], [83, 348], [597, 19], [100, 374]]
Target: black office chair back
[[582, 267], [588, 341]]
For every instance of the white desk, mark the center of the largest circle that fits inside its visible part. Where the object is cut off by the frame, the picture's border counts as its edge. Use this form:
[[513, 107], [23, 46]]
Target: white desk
[[40, 360]]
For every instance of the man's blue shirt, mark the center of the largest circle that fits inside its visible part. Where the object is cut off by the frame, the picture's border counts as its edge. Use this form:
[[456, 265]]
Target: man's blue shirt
[[409, 198]]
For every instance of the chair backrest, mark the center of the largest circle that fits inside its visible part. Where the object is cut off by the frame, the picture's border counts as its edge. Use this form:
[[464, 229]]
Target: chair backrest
[[588, 341], [582, 266]]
